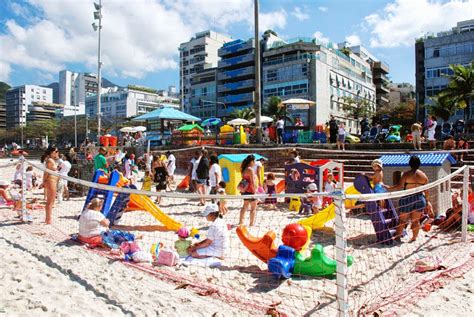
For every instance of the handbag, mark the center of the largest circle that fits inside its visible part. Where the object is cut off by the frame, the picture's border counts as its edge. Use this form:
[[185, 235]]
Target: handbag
[[243, 185]]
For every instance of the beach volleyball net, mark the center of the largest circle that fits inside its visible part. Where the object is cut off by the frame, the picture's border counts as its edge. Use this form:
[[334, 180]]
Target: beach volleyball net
[[350, 263]]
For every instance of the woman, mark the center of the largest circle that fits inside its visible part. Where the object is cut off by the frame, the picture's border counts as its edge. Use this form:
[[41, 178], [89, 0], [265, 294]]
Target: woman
[[160, 176], [202, 173], [411, 207], [341, 136], [217, 242], [248, 176], [50, 182], [432, 132], [462, 145]]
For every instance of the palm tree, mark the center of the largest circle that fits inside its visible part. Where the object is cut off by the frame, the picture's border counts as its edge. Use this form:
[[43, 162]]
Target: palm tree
[[246, 113], [273, 108], [460, 89], [442, 108]]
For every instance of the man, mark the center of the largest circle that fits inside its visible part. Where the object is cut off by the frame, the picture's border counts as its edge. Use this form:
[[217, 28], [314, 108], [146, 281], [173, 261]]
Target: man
[[449, 144], [258, 170], [64, 168], [280, 126], [202, 173], [171, 165], [100, 162], [333, 127], [416, 134]]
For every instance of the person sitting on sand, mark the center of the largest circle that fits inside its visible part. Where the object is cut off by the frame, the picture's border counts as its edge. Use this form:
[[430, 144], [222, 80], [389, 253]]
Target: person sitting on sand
[[311, 204], [182, 244], [217, 242], [4, 193], [222, 203], [92, 223], [449, 144]]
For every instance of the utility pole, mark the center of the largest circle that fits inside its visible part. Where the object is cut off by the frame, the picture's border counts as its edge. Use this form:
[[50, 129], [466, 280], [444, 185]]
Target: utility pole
[[258, 107], [98, 16]]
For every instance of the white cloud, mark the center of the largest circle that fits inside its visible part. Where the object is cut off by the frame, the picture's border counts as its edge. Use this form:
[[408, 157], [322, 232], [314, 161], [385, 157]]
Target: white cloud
[[299, 14], [320, 36], [137, 38], [400, 22], [353, 40], [323, 9]]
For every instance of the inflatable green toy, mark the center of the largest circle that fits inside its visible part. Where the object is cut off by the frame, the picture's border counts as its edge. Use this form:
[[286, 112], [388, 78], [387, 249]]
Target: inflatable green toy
[[318, 264]]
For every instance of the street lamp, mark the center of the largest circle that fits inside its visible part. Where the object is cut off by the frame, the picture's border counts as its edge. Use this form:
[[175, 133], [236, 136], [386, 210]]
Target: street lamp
[[75, 126], [98, 27]]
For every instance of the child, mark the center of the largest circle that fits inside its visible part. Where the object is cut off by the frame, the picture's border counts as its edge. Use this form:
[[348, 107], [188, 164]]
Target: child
[[30, 178], [294, 157], [134, 176], [311, 203], [182, 244], [377, 179], [341, 136], [329, 187], [147, 181], [270, 189], [222, 202], [92, 223]]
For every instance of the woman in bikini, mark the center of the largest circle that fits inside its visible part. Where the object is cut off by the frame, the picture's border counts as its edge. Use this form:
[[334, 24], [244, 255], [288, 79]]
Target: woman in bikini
[[249, 175], [412, 206], [50, 182]]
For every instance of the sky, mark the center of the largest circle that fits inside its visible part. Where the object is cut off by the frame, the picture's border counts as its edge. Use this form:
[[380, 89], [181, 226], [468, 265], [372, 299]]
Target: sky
[[140, 38]]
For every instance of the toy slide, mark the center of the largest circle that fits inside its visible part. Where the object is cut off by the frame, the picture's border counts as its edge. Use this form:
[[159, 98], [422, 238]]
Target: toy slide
[[145, 203], [280, 187], [382, 220], [318, 220], [106, 195], [263, 248], [184, 183], [119, 206]]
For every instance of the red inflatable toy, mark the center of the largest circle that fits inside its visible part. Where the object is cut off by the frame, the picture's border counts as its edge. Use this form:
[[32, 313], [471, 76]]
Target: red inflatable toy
[[295, 236]]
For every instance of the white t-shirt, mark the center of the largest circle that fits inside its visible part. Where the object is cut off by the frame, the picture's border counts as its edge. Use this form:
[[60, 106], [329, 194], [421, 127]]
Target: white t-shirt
[[65, 167], [341, 131], [17, 175], [329, 187], [29, 179], [195, 166], [171, 164], [256, 166], [213, 180], [280, 124], [128, 168], [89, 223], [219, 234], [297, 159]]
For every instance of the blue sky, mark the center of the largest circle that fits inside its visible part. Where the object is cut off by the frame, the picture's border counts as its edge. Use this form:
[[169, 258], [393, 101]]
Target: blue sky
[[40, 37]]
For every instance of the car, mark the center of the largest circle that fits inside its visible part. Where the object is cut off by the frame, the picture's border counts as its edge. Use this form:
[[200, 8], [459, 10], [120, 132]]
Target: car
[[351, 139]]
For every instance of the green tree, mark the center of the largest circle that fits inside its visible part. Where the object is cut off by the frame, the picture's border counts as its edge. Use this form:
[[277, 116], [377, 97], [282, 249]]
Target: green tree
[[460, 90], [356, 108], [42, 128], [442, 108], [246, 113], [274, 108]]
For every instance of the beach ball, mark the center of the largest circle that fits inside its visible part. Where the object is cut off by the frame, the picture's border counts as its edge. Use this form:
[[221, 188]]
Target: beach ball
[[295, 236]]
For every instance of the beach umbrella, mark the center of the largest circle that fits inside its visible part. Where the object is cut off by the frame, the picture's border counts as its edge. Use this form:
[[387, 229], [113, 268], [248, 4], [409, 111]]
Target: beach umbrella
[[139, 128], [263, 119], [127, 129], [238, 121], [211, 121]]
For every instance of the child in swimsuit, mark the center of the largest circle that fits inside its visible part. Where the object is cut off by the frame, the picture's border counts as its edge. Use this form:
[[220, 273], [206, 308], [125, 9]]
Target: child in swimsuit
[[270, 189], [377, 179]]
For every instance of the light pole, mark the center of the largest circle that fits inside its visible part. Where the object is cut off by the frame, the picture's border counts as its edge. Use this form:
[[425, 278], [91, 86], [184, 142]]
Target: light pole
[[257, 77], [98, 16], [87, 126], [75, 126]]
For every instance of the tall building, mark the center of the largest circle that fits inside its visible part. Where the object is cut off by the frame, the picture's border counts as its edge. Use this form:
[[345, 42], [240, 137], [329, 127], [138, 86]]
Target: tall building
[[379, 71], [125, 103], [401, 93], [309, 69], [198, 53], [20, 99], [203, 99], [73, 90], [3, 114], [236, 76], [434, 54], [43, 111]]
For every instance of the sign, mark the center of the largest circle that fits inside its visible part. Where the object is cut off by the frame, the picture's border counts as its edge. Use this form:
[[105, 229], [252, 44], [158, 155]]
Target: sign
[[297, 107]]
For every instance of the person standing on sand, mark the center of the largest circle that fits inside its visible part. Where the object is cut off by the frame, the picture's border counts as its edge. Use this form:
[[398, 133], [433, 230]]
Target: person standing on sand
[[411, 207], [248, 176], [416, 134], [333, 130], [171, 165], [432, 132], [50, 182], [280, 126], [100, 162]]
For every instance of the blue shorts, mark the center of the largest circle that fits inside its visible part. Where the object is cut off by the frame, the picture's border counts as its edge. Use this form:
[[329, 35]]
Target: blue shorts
[[201, 181], [415, 202]]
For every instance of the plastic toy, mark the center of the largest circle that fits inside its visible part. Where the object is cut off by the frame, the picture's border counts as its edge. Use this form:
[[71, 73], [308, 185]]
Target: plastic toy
[[295, 236], [263, 248], [382, 220], [280, 187], [282, 265], [295, 204], [319, 264], [107, 195], [155, 250], [194, 233], [184, 183], [230, 164], [145, 203], [167, 257], [394, 134]]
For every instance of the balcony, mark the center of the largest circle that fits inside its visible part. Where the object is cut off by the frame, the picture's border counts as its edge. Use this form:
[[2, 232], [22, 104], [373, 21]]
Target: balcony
[[381, 76], [234, 47], [245, 97], [381, 99], [247, 58], [249, 83], [382, 89], [382, 66], [244, 71]]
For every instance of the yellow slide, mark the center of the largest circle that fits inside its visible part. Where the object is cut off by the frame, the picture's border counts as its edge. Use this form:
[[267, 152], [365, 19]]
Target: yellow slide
[[142, 202], [318, 220]]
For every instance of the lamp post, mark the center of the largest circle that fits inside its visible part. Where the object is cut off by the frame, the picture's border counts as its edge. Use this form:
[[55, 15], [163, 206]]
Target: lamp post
[[98, 16], [258, 107], [87, 126], [75, 126]]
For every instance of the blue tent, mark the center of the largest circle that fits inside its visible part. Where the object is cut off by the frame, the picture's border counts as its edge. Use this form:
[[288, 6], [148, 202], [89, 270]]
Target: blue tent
[[166, 113]]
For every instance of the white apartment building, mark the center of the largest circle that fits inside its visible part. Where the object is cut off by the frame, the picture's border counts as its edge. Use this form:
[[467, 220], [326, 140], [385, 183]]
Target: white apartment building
[[73, 90], [195, 55], [20, 99]]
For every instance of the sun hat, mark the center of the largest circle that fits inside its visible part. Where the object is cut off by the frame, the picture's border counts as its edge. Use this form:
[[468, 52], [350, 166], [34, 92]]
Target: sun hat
[[3, 183], [183, 232], [210, 209], [377, 162], [312, 187]]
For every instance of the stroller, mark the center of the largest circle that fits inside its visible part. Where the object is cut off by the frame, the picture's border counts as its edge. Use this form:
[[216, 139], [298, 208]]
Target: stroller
[[446, 130], [373, 134], [458, 129], [394, 134]]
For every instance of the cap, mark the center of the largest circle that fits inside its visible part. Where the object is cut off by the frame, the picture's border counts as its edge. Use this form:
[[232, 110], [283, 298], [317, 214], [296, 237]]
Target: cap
[[312, 187], [377, 162], [210, 209], [3, 183], [183, 232]]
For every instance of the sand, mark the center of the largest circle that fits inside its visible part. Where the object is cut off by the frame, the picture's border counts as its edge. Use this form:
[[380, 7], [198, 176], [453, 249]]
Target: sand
[[46, 274]]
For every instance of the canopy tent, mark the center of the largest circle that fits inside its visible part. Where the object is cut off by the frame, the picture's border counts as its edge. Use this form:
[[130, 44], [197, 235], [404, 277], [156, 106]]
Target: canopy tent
[[166, 113], [139, 128], [238, 121], [189, 127], [127, 129], [298, 101], [263, 119]]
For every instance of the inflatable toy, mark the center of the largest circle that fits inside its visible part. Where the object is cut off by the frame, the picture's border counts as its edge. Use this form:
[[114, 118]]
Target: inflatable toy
[[295, 236], [319, 264], [263, 248]]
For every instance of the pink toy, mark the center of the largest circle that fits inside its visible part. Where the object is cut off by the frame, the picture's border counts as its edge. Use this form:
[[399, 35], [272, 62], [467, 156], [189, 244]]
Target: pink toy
[[129, 247], [183, 232], [167, 257], [295, 236]]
